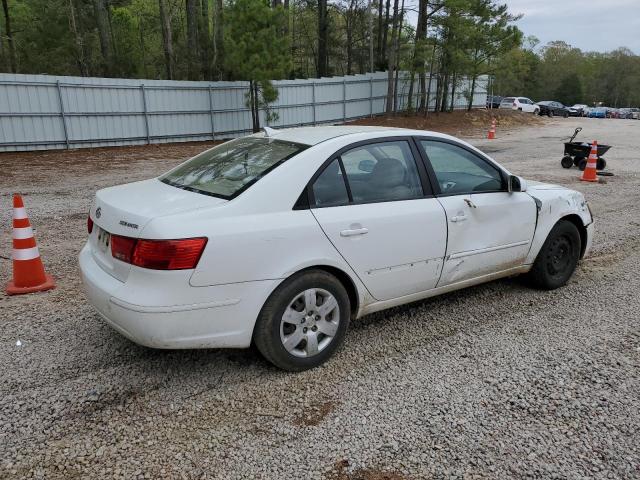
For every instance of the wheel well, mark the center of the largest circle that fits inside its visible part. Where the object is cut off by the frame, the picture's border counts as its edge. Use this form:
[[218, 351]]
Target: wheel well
[[346, 282], [577, 221]]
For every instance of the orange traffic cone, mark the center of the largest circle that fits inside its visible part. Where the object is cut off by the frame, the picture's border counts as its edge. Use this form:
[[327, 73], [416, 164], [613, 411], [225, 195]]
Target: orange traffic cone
[[492, 130], [28, 272], [589, 173]]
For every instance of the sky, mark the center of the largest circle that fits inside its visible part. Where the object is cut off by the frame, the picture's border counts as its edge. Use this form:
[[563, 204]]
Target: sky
[[590, 25]]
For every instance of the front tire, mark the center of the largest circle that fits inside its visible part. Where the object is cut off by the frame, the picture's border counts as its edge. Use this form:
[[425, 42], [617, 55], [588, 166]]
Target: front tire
[[304, 321], [558, 257]]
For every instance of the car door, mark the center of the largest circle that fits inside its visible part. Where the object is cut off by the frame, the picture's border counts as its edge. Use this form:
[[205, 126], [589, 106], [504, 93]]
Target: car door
[[374, 203], [489, 228], [525, 105]]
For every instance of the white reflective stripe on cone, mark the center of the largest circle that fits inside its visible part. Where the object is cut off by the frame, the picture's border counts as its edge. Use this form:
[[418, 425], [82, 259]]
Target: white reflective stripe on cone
[[22, 233], [19, 213], [25, 253]]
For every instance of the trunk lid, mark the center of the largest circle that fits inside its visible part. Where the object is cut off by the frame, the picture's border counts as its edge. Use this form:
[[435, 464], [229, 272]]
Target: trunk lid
[[126, 209]]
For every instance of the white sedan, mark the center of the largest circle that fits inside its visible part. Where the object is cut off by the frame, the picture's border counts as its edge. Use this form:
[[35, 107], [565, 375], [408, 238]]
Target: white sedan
[[282, 237]]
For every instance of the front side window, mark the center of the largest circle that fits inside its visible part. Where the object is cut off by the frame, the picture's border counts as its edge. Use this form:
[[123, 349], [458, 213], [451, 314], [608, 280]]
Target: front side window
[[227, 170], [459, 171], [380, 172]]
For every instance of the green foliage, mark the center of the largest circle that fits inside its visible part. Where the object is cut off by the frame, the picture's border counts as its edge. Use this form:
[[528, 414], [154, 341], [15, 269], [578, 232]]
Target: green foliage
[[255, 46], [569, 91]]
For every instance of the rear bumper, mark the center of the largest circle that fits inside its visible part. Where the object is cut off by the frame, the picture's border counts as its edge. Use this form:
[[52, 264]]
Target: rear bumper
[[161, 309]]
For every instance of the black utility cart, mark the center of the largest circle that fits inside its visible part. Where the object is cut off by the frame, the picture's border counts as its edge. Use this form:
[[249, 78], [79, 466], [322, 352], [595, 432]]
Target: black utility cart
[[577, 153]]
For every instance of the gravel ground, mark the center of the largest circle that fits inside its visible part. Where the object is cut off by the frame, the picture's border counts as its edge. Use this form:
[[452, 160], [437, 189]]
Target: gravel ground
[[497, 381]]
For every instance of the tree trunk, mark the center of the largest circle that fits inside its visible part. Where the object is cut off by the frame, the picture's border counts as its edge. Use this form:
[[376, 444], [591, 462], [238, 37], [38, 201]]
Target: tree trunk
[[396, 65], [392, 60], [9, 32], [383, 58], [380, 27], [424, 99], [205, 39], [473, 89], [102, 20], [193, 72], [218, 47], [454, 80], [322, 66], [79, 44], [167, 38]]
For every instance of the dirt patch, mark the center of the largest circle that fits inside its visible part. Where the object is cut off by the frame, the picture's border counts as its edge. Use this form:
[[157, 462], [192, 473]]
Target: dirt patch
[[339, 472], [315, 414], [459, 123]]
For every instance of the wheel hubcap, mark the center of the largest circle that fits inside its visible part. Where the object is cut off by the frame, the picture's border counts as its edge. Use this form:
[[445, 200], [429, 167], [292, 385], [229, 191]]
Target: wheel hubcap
[[310, 322], [559, 255]]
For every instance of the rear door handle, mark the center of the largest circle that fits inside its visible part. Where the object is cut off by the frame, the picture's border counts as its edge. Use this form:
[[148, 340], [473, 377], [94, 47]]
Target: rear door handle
[[458, 218], [354, 232]]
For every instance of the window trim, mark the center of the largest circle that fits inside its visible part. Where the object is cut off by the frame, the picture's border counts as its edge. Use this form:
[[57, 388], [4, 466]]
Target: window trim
[[423, 175], [432, 174]]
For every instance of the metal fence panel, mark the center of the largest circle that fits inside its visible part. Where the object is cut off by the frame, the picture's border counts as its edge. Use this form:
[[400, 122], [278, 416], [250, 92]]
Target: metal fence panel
[[45, 112]]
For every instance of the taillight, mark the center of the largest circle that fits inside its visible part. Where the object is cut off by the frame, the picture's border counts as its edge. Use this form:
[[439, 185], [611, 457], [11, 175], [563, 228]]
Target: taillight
[[181, 254], [122, 247], [89, 225]]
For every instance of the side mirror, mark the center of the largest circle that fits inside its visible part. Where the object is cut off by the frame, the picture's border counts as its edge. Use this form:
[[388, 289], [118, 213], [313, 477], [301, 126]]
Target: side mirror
[[366, 166], [516, 184]]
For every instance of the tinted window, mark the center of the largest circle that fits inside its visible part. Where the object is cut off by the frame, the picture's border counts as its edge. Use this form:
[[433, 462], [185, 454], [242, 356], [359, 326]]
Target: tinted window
[[460, 171], [383, 171], [329, 188], [228, 169]]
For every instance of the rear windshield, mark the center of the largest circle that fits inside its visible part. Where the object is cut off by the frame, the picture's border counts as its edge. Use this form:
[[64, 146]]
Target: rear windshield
[[227, 170], [508, 100]]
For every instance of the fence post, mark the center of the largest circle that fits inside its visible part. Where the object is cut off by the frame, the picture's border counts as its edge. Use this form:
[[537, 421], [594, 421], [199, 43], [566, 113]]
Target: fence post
[[344, 99], [213, 127], [146, 117], [313, 101], [370, 97], [62, 116]]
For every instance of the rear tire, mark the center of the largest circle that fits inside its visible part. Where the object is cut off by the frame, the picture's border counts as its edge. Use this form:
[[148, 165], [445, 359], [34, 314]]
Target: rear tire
[[566, 162], [565, 115], [286, 333], [558, 257], [582, 164], [550, 114]]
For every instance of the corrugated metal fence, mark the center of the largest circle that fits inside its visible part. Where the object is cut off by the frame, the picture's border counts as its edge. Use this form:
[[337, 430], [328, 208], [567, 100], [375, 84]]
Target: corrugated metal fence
[[46, 112]]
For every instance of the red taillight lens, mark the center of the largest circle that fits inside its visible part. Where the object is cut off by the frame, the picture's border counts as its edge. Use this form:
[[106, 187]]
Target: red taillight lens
[[169, 254], [158, 254], [89, 225], [122, 247]]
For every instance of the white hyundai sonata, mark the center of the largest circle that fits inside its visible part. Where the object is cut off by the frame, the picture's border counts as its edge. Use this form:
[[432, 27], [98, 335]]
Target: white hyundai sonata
[[281, 238]]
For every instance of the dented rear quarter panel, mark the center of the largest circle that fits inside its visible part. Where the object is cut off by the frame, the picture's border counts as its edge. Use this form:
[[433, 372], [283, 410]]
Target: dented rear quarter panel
[[556, 202]]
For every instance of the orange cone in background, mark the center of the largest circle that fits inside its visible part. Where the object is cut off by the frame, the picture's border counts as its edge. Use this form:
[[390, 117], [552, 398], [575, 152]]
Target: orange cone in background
[[589, 173], [492, 130], [28, 272]]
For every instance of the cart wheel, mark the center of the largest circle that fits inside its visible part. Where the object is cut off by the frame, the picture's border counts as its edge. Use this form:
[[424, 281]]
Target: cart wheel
[[578, 159], [582, 164], [601, 163], [566, 162]]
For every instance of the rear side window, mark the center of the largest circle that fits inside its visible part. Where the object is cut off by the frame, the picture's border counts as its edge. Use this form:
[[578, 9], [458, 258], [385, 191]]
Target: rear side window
[[375, 172], [380, 172], [228, 169], [329, 189], [459, 171]]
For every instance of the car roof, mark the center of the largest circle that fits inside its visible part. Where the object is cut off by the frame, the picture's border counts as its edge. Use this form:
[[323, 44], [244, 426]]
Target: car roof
[[315, 135]]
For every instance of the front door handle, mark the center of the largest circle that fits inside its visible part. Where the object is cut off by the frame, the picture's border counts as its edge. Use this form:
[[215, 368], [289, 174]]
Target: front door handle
[[354, 232], [458, 218]]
